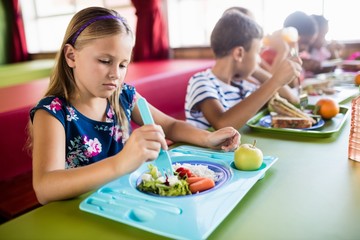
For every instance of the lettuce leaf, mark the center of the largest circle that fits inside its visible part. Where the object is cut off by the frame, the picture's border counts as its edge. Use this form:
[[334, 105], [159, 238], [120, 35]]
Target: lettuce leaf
[[158, 184]]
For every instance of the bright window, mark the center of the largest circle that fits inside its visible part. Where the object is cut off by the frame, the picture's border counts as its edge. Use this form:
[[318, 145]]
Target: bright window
[[46, 20], [191, 21]]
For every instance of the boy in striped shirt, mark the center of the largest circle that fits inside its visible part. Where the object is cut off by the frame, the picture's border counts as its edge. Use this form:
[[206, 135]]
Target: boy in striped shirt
[[220, 96]]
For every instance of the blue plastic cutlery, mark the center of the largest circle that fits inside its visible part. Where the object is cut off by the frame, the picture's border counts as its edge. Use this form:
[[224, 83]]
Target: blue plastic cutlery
[[163, 162]]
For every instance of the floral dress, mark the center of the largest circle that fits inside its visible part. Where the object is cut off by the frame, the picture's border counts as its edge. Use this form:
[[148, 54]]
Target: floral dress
[[87, 140]]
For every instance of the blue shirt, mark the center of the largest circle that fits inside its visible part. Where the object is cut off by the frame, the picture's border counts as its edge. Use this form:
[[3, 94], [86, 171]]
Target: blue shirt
[[87, 140]]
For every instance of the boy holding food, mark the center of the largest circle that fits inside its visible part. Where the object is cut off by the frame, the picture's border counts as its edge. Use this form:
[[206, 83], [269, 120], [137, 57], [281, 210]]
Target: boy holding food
[[218, 96]]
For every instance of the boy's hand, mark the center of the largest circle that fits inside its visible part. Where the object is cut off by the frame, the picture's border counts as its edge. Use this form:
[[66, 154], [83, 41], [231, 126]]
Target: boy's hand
[[288, 70]]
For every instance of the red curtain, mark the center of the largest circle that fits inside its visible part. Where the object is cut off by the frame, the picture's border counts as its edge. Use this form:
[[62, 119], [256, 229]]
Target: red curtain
[[152, 41], [18, 48]]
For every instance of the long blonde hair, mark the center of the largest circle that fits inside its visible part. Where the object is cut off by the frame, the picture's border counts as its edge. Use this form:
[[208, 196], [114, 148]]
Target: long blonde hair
[[81, 30], [62, 82]]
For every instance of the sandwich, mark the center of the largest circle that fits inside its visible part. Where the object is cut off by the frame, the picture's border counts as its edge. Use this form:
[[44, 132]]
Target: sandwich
[[290, 122], [287, 115]]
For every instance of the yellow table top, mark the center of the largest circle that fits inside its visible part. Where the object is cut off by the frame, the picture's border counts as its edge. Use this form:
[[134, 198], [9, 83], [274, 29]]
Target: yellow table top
[[311, 192]]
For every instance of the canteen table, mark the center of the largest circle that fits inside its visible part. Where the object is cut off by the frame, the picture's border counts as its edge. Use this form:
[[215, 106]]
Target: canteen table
[[311, 192]]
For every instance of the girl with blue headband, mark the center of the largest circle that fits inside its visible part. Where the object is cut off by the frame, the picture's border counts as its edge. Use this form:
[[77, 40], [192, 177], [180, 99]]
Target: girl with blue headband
[[80, 134]]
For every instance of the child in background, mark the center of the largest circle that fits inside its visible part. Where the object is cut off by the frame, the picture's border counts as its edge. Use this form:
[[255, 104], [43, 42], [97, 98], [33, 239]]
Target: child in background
[[320, 50], [81, 129], [264, 71], [307, 30], [306, 27], [217, 97]]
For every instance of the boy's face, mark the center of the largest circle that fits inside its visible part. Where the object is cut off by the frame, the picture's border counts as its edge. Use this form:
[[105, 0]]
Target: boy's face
[[251, 58]]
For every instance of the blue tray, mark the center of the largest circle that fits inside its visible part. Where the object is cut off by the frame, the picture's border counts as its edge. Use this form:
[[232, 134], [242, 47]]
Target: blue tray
[[197, 214]]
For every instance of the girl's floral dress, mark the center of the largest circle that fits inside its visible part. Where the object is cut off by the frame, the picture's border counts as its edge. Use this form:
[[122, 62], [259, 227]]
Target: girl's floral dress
[[87, 140]]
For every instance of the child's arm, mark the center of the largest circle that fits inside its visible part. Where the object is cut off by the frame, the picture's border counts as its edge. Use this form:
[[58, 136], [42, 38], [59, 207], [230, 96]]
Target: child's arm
[[226, 139], [238, 115], [52, 182], [262, 75]]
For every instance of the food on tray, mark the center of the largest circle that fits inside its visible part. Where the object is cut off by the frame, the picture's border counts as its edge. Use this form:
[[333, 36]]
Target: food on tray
[[188, 179], [351, 65], [287, 115], [290, 122], [199, 184], [248, 157], [316, 87], [154, 182], [327, 108], [357, 78]]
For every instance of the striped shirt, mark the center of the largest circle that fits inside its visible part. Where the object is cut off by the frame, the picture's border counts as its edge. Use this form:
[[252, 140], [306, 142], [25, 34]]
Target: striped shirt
[[205, 85]]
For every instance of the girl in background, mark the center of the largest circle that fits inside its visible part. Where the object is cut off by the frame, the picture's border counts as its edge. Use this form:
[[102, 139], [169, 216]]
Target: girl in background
[[320, 49]]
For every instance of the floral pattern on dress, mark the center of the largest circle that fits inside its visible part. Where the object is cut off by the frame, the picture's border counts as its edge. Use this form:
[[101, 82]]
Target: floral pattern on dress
[[110, 115], [117, 133], [92, 147], [72, 115], [89, 141], [76, 157], [125, 137], [132, 105], [55, 105], [81, 150]]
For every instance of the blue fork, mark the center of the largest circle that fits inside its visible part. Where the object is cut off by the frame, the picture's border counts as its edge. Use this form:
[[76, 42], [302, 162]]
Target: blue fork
[[163, 162]]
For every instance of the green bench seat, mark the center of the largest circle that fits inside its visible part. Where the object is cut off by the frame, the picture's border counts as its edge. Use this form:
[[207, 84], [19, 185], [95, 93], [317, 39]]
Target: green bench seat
[[18, 73]]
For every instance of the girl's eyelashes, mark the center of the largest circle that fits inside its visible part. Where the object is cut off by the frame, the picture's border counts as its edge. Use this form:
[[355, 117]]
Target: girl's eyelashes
[[109, 62], [122, 66], [105, 61]]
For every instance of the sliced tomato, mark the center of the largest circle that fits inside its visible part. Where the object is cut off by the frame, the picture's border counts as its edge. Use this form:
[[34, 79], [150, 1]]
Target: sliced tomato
[[183, 172]]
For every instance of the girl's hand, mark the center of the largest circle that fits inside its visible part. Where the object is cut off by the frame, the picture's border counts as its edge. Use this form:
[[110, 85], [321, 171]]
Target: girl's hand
[[143, 145], [227, 139]]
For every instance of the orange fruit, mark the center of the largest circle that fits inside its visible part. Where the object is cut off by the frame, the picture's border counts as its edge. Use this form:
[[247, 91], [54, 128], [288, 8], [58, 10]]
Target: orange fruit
[[327, 108], [357, 78]]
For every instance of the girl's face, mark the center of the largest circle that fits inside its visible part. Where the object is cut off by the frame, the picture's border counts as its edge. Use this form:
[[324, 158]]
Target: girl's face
[[320, 39], [101, 65], [305, 42]]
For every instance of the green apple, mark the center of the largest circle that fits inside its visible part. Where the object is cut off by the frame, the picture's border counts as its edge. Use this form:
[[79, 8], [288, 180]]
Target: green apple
[[247, 157]]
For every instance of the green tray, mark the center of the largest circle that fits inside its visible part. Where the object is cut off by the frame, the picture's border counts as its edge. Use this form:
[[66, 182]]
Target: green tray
[[330, 127]]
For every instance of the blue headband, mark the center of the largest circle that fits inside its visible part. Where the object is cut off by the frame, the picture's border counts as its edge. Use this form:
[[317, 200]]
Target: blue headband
[[73, 40]]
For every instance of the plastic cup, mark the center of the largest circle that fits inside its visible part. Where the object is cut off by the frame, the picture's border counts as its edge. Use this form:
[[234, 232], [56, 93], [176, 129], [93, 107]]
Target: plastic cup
[[290, 35]]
